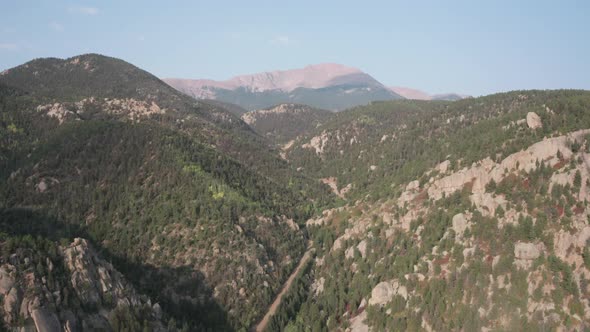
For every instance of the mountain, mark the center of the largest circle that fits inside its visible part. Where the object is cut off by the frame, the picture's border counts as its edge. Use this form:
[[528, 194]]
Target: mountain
[[327, 86], [410, 93], [449, 97], [468, 215], [45, 285], [283, 123], [196, 211], [127, 205]]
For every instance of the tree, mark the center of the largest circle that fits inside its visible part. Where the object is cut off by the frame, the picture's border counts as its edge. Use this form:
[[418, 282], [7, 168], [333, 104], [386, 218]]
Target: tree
[[577, 179]]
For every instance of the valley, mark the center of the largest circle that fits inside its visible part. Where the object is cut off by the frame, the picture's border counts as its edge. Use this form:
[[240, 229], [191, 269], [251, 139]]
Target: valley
[[126, 204]]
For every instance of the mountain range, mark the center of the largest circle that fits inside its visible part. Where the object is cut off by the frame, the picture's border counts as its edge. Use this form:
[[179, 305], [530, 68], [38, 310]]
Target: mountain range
[[165, 187], [328, 86], [126, 205], [410, 93]]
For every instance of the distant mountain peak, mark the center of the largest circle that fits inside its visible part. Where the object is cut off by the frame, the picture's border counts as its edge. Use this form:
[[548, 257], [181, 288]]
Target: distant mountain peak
[[410, 93], [416, 94], [312, 76], [325, 85]]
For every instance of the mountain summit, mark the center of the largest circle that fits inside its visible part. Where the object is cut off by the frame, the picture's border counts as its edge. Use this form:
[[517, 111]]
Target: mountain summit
[[328, 85], [416, 94], [312, 77]]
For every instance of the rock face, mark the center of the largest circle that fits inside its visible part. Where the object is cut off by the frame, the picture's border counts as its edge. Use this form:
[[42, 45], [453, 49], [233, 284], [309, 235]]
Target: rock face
[[444, 166], [45, 320], [527, 251], [132, 109], [332, 182], [492, 231], [6, 279], [460, 224], [11, 303], [318, 286], [251, 117], [48, 302], [385, 291], [317, 143], [357, 324], [481, 173], [533, 120]]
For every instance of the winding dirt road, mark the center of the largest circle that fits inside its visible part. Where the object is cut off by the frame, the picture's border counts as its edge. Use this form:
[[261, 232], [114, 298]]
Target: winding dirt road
[[277, 302]]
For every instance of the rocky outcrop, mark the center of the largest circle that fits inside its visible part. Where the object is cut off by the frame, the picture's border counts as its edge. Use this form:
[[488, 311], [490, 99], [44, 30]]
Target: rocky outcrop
[[133, 109], [129, 108], [361, 247], [332, 182], [525, 253], [460, 224], [443, 167], [58, 111], [317, 143], [528, 251], [318, 286], [556, 224], [358, 324], [564, 242], [48, 303], [45, 320], [533, 120], [7, 274], [385, 291], [358, 228], [487, 204], [481, 173], [252, 116]]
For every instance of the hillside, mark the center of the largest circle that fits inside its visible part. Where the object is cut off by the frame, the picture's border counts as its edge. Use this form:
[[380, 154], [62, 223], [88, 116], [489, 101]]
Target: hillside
[[474, 217], [283, 123], [47, 285], [233, 108], [325, 86], [138, 207], [390, 142], [191, 206]]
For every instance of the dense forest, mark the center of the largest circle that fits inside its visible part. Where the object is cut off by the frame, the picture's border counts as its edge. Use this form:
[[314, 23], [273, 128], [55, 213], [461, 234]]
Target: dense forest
[[169, 197], [409, 256], [127, 205], [404, 138]]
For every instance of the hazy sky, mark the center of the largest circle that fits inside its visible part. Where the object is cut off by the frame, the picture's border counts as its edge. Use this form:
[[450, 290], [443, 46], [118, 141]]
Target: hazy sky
[[473, 47]]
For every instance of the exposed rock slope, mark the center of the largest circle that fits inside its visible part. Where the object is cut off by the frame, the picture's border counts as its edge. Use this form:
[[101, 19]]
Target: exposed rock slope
[[500, 243], [71, 289]]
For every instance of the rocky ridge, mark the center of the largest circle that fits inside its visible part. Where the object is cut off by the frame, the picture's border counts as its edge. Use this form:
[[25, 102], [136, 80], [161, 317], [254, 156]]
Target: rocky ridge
[[74, 291], [477, 183]]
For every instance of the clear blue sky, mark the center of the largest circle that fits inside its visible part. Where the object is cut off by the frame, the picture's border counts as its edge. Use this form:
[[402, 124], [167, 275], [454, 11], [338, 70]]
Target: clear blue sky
[[473, 47]]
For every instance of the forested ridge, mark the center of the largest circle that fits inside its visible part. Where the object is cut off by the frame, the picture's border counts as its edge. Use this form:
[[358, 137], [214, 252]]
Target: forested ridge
[[474, 217], [150, 210], [171, 196]]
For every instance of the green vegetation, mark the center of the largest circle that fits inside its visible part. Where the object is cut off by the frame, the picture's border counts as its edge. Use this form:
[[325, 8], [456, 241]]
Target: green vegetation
[[337, 97], [406, 138], [198, 211], [292, 301], [282, 123], [185, 203]]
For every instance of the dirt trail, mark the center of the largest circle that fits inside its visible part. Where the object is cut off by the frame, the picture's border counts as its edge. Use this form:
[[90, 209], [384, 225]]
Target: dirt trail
[[275, 305]]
